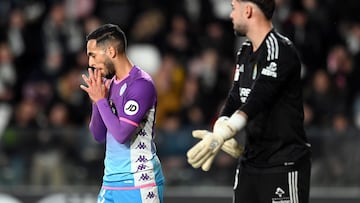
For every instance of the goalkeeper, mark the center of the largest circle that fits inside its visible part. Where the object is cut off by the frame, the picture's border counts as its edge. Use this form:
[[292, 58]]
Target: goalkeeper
[[266, 102]]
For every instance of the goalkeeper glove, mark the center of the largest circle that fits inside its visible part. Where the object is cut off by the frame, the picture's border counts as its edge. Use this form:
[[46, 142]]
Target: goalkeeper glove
[[230, 146], [205, 150], [225, 128]]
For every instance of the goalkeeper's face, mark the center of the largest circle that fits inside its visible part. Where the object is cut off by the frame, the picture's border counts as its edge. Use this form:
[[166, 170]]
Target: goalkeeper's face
[[238, 16]]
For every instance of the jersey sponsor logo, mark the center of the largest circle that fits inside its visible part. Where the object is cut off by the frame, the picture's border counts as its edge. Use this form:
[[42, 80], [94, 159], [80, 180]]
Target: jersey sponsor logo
[[279, 192], [244, 93], [270, 70], [131, 107], [280, 199], [122, 89]]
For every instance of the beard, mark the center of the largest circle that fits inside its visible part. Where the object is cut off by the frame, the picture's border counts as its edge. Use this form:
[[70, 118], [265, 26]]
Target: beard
[[110, 69], [240, 31], [239, 34]]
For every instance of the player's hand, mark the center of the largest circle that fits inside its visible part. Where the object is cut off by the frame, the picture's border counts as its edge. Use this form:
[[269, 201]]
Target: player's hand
[[208, 162], [205, 151], [231, 146], [95, 88], [227, 127], [200, 134], [222, 127]]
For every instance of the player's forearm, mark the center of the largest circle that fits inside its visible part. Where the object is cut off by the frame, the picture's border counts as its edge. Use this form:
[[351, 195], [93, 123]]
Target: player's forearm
[[231, 103], [121, 129], [97, 126]]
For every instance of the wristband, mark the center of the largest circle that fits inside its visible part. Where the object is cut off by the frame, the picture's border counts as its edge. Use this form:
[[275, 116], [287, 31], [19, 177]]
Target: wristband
[[237, 121]]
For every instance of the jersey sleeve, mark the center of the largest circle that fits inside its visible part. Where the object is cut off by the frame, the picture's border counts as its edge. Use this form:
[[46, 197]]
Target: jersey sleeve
[[97, 126], [281, 67], [138, 100], [232, 102]]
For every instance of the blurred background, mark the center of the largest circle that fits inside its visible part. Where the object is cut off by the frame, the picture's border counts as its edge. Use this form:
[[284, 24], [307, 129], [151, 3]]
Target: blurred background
[[47, 153]]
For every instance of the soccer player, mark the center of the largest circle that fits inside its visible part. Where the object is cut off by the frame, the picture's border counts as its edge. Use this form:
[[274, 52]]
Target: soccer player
[[265, 101], [123, 114]]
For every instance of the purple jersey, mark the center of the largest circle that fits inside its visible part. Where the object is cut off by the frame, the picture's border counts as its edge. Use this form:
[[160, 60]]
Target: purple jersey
[[125, 120]]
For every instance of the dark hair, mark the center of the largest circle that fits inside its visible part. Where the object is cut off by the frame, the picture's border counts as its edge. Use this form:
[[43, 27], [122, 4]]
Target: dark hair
[[266, 6], [107, 33]]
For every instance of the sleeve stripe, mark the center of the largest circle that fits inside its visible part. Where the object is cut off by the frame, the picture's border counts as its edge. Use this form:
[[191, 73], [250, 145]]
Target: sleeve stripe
[[268, 49], [129, 121], [272, 47], [276, 45]]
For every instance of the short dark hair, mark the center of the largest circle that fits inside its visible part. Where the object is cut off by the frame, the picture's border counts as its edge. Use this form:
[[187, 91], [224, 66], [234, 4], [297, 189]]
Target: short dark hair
[[107, 33], [266, 6]]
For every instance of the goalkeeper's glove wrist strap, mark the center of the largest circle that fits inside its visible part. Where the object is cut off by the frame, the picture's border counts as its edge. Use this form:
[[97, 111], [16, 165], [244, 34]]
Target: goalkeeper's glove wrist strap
[[236, 122]]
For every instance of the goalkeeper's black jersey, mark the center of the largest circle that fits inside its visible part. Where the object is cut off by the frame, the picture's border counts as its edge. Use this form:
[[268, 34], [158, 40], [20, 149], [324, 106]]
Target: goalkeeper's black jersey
[[267, 87]]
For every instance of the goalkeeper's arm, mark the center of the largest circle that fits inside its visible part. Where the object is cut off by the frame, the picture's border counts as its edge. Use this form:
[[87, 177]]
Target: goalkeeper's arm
[[227, 127]]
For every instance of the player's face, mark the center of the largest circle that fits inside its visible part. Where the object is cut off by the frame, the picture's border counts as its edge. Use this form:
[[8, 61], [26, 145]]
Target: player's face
[[99, 60], [109, 71], [238, 17]]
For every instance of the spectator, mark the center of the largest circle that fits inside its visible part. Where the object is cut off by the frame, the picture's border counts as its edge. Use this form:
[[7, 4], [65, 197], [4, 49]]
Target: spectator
[[323, 99], [48, 159], [169, 82], [8, 79], [18, 142]]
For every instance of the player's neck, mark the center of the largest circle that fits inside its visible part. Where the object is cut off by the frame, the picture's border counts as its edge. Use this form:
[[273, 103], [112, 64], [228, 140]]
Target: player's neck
[[258, 33], [123, 67]]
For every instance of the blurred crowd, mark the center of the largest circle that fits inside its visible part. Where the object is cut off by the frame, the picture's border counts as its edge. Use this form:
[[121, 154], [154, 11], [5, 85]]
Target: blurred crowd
[[189, 48]]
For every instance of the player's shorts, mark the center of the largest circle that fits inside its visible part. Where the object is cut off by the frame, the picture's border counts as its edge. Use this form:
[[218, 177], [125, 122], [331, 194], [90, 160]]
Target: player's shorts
[[144, 194], [288, 185]]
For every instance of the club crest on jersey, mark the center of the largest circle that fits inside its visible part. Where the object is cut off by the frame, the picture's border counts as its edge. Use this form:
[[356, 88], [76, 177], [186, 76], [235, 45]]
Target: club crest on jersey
[[270, 70], [131, 107], [122, 89]]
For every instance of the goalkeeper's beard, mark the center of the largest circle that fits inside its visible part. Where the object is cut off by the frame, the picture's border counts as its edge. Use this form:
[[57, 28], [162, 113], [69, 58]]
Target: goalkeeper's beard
[[240, 31], [239, 34]]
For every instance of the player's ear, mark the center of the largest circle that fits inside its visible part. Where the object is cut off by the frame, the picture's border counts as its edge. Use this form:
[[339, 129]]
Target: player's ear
[[111, 51], [249, 11]]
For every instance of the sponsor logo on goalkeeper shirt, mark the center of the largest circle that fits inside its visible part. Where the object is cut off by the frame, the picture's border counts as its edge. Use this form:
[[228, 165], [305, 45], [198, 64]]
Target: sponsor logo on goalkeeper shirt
[[244, 93], [279, 192], [280, 199], [270, 70]]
